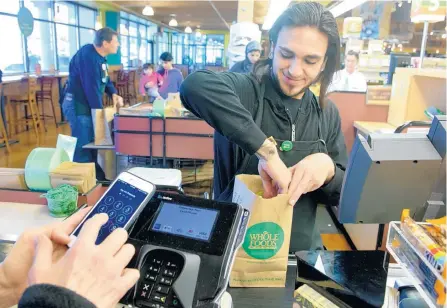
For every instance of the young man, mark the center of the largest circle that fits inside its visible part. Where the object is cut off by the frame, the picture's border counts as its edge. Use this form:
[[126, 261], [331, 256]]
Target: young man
[[252, 55], [172, 77], [270, 123], [87, 81], [349, 79]]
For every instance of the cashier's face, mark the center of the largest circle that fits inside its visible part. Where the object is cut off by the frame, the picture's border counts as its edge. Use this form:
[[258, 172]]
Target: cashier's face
[[298, 59]]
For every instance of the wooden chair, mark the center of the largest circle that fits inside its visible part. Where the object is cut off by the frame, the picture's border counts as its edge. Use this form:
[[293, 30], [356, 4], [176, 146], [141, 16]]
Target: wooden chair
[[46, 93], [28, 102], [122, 86], [132, 90], [3, 134]]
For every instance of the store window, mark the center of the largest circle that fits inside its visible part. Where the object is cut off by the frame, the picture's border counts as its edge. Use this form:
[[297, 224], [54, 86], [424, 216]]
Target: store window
[[136, 37], [39, 9], [41, 47], [11, 58], [60, 29], [65, 13], [66, 45]]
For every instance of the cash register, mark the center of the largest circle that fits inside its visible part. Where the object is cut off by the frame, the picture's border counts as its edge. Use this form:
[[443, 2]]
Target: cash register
[[185, 248]]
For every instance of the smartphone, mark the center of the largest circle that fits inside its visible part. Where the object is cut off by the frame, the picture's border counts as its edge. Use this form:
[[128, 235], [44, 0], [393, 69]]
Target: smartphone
[[122, 202]]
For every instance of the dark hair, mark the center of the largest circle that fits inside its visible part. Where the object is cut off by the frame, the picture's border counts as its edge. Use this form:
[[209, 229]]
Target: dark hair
[[148, 65], [104, 34], [353, 53], [166, 56], [308, 14]]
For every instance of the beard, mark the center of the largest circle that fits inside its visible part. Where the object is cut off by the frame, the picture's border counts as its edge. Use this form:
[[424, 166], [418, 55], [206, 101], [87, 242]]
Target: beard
[[278, 87]]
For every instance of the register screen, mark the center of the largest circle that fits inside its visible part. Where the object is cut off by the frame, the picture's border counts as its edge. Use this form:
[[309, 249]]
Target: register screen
[[187, 221]]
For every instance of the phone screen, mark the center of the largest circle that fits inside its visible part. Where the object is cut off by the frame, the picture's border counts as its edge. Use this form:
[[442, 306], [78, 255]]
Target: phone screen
[[120, 202]]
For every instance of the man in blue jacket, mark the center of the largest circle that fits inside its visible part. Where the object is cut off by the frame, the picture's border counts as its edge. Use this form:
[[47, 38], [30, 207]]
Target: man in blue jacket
[[87, 81]]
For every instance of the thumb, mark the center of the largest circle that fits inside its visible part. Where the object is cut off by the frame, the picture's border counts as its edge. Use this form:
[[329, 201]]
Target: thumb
[[44, 252]]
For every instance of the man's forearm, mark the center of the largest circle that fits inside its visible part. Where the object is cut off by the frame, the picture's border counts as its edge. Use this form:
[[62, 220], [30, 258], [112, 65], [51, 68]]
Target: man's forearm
[[267, 150], [8, 296]]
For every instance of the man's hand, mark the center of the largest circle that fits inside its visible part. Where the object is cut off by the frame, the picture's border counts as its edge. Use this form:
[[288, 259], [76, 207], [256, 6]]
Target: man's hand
[[309, 175], [96, 272], [14, 270], [118, 101], [274, 173]]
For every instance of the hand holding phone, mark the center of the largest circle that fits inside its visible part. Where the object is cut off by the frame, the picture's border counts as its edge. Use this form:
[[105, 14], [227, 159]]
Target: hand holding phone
[[122, 202], [96, 272]]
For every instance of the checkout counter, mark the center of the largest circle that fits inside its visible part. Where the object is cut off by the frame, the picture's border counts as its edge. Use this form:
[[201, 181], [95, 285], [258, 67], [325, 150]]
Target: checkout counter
[[193, 271]]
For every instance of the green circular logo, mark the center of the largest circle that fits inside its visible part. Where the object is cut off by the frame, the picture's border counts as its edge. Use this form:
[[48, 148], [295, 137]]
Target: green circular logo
[[263, 240], [286, 146]]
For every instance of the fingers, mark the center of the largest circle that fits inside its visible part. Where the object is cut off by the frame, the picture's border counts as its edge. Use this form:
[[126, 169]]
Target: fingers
[[44, 252], [267, 184], [113, 243], [301, 184], [129, 279], [124, 255], [90, 230], [60, 235]]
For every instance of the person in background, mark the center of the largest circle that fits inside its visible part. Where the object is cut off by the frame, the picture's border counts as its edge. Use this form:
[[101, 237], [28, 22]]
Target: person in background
[[150, 80], [41, 271], [88, 79], [172, 77], [252, 55], [349, 79], [270, 123]]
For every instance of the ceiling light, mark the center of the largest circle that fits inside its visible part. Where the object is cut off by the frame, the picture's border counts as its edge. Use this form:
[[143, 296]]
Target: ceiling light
[[188, 29], [173, 22], [431, 33], [414, 49], [274, 11], [437, 50], [148, 11], [345, 6]]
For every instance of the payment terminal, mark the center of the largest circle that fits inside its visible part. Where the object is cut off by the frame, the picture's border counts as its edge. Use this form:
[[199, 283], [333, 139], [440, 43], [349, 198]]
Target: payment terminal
[[185, 248]]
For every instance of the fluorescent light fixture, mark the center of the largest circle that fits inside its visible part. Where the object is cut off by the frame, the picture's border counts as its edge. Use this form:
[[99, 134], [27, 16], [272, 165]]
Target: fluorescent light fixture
[[345, 6], [275, 10], [188, 29], [148, 11], [173, 22]]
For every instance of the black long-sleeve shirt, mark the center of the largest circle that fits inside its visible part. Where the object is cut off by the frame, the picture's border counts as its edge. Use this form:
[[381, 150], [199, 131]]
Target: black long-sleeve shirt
[[228, 102]]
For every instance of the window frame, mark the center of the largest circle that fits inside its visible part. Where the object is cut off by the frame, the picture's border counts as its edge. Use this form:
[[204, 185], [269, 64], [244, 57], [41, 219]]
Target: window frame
[[53, 24]]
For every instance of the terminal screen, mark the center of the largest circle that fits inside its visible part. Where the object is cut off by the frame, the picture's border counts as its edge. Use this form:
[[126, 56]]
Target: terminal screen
[[187, 221]]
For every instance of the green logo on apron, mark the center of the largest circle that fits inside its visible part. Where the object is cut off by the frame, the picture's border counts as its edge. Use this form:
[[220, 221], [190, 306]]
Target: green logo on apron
[[264, 240], [286, 146]]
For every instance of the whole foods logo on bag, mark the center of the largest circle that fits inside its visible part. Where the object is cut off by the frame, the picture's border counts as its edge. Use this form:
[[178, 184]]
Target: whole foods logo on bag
[[263, 240]]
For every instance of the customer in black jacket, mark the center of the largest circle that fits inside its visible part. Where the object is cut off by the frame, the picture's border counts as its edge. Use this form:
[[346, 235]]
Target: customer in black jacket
[[306, 157], [40, 272], [252, 55]]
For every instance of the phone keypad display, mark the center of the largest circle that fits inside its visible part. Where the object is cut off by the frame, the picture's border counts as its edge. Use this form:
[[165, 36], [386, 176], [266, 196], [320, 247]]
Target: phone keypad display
[[158, 274]]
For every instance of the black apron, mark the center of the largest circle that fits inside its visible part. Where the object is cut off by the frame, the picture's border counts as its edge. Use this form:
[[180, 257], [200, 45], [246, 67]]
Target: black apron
[[305, 235]]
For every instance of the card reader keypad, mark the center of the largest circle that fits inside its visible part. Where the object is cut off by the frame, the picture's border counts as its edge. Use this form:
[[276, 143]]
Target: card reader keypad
[[159, 270]]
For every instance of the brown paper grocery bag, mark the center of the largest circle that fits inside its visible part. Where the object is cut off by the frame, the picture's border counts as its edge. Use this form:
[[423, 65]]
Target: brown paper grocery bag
[[102, 122], [262, 259]]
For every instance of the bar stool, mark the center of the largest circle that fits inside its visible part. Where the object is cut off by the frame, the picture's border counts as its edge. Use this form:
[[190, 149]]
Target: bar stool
[[28, 102], [46, 93], [122, 86], [132, 91], [3, 134]]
